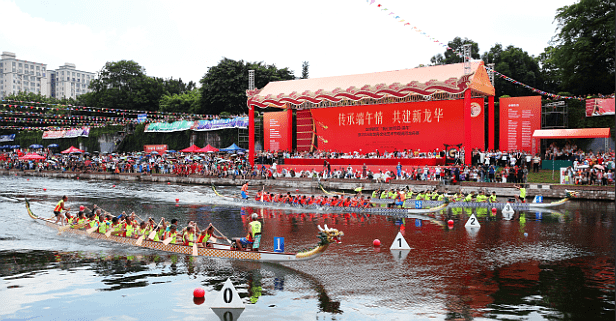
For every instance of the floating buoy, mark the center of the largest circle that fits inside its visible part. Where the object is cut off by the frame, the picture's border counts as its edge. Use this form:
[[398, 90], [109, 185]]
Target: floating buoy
[[199, 293], [113, 186], [525, 234], [493, 210], [177, 200], [77, 177], [44, 189], [28, 179], [399, 243], [297, 189], [376, 242], [168, 183], [450, 223], [472, 222]]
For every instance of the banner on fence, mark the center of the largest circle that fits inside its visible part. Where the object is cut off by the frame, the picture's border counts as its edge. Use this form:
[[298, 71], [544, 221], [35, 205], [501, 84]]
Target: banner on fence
[[155, 148], [70, 133], [600, 107], [199, 125], [7, 138]]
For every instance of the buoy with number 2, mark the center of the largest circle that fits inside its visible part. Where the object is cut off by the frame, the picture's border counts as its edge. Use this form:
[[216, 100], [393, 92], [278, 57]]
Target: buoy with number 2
[[472, 222]]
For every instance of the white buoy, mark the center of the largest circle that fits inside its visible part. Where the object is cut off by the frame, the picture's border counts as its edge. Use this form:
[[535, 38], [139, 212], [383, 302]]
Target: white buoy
[[228, 298], [472, 222], [399, 243], [508, 209]]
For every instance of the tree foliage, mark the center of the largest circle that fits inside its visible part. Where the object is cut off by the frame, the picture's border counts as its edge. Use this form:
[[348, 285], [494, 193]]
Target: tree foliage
[[305, 67], [517, 64], [223, 87], [124, 85], [584, 46], [449, 57], [187, 102]]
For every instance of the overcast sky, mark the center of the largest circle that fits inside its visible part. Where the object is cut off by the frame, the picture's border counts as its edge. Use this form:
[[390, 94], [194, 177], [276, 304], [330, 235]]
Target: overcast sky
[[181, 39]]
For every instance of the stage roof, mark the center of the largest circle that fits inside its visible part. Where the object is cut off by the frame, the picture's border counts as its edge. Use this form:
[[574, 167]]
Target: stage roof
[[398, 83], [572, 133]]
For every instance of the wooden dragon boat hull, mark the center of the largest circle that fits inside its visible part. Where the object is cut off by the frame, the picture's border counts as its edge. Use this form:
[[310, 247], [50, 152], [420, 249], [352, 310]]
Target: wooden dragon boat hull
[[335, 209], [219, 250]]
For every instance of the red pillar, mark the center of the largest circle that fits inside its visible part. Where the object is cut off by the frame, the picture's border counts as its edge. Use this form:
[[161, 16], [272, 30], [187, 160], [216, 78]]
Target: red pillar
[[251, 135], [491, 122], [290, 129], [467, 127]]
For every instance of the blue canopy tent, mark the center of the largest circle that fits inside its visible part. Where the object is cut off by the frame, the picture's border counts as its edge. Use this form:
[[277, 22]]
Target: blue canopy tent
[[36, 146], [232, 148], [15, 146], [53, 146]]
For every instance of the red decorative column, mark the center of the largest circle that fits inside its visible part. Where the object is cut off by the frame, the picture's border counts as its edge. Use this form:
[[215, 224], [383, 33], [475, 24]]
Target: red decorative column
[[290, 130], [251, 134], [467, 127], [491, 122]]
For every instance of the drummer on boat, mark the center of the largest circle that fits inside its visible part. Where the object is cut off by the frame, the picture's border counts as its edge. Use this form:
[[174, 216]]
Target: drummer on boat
[[254, 230], [57, 211]]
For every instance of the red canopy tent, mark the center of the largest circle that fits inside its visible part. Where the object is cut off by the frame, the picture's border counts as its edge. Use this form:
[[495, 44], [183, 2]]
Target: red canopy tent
[[72, 149], [191, 149], [32, 157], [208, 148]]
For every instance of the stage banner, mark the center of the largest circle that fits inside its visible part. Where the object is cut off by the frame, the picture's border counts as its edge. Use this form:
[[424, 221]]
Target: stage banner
[[155, 148], [519, 118], [275, 129], [600, 107], [69, 133], [7, 138], [420, 126]]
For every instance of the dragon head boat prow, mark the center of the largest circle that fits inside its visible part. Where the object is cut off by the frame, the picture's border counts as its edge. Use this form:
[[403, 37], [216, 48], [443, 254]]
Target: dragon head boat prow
[[572, 194], [329, 235]]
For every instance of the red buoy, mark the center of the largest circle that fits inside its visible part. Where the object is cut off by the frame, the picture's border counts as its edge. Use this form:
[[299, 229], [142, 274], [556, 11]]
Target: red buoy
[[199, 293], [493, 210], [168, 183], [450, 223], [376, 242], [177, 200], [44, 189]]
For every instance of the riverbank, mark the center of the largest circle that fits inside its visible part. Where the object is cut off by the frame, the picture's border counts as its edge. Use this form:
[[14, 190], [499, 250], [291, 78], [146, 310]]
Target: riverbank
[[591, 192]]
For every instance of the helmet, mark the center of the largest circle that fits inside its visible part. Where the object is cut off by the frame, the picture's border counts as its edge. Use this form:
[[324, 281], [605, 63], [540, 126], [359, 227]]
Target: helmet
[[254, 216]]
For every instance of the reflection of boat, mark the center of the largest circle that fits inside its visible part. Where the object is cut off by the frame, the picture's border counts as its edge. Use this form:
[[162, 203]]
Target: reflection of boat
[[326, 237], [330, 209]]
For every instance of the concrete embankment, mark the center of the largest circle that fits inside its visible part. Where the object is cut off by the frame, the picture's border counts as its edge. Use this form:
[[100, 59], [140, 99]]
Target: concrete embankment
[[306, 185]]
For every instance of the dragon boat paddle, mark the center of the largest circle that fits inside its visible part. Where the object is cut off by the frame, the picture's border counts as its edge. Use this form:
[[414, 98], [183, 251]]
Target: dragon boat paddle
[[153, 233], [66, 227]]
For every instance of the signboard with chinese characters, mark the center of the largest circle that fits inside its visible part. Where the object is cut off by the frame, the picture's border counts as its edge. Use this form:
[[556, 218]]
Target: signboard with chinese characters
[[519, 118], [420, 126], [275, 130]]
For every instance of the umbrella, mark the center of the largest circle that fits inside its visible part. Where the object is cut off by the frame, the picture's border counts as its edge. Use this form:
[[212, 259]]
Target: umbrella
[[170, 151], [154, 152], [599, 167], [53, 146], [15, 146], [583, 166], [36, 146]]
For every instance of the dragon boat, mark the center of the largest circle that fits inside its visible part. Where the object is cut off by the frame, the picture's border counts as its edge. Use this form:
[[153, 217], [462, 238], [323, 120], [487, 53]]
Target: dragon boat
[[335, 209], [518, 206], [326, 237]]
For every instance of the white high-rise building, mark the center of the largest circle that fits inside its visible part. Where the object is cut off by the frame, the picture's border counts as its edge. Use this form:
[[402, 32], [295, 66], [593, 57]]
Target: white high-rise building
[[26, 76], [18, 75], [68, 82]]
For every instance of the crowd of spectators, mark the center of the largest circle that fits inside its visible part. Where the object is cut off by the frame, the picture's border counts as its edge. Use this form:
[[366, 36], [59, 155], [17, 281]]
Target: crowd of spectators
[[486, 166]]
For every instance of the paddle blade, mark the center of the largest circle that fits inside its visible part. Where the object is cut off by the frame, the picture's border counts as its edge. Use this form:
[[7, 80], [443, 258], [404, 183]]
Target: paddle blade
[[92, 229], [167, 240], [108, 233], [213, 239], [195, 250], [151, 235], [140, 240]]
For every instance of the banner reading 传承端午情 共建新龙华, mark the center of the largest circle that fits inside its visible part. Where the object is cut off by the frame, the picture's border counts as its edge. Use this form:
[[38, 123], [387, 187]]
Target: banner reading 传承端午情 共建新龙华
[[421, 126]]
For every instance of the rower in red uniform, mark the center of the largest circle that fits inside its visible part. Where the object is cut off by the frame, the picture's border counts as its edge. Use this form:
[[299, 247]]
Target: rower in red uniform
[[347, 202]]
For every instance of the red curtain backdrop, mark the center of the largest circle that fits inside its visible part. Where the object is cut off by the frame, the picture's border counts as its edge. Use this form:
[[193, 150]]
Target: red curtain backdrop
[[275, 128], [519, 118], [423, 126]]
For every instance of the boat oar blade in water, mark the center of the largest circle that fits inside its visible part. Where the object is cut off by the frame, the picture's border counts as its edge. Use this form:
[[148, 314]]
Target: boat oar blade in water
[[92, 229], [195, 250], [140, 240], [167, 240]]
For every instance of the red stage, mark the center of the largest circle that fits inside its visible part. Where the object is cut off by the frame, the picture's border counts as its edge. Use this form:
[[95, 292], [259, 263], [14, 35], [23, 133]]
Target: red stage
[[367, 161]]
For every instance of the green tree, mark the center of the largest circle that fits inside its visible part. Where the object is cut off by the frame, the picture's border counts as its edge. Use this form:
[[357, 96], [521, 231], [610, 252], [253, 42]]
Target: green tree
[[517, 64], [305, 66], [223, 87], [449, 57], [550, 73], [187, 102], [584, 46]]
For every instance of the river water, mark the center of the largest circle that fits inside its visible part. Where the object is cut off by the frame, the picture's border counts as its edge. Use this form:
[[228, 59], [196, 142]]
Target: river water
[[526, 266]]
